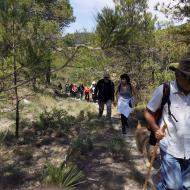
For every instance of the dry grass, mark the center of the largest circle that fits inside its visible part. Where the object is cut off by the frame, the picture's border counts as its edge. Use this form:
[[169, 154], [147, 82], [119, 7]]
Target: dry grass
[[38, 103]]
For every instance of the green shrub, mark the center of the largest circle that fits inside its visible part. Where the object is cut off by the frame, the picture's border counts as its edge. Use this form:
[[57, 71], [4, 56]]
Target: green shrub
[[83, 143], [116, 145], [58, 119], [64, 176]]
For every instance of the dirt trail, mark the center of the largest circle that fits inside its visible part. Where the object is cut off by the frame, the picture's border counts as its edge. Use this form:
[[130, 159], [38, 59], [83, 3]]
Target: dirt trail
[[120, 172], [22, 164]]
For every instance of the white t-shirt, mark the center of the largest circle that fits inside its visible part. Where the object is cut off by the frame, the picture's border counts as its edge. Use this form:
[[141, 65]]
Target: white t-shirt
[[177, 139]]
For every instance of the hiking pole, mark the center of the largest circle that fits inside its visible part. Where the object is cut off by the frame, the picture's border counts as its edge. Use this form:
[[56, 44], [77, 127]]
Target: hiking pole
[[153, 158]]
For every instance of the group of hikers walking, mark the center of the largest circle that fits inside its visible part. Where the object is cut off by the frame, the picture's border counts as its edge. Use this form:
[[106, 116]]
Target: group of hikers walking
[[104, 93], [168, 117], [81, 91]]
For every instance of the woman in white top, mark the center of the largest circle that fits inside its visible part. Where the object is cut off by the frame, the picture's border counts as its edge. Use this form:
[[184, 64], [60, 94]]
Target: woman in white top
[[124, 100]]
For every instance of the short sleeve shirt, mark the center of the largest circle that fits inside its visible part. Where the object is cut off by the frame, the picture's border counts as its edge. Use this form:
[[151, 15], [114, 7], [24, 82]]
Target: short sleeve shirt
[[177, 139]]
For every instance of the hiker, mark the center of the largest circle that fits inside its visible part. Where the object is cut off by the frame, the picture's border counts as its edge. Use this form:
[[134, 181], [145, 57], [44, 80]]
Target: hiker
[[70, 90], [58, 89], [104, 91], [81, 91], [124, 101], [92, 88], [67, 88], [175, 140], [87, 93], [74, 90], [60, 86]]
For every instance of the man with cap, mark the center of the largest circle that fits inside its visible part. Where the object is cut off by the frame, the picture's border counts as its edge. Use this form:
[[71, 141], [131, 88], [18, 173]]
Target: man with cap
[[175, 140], [104, 91]]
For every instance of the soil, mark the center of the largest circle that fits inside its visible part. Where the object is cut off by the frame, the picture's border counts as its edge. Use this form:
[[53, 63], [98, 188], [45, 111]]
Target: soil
[[23, 162]]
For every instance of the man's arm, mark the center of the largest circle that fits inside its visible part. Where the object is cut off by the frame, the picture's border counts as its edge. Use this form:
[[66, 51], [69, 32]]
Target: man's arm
[[96, 89], [149, 116]]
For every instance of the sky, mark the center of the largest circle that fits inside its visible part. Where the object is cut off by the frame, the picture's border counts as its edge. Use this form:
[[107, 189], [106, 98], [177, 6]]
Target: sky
[[85, 12]]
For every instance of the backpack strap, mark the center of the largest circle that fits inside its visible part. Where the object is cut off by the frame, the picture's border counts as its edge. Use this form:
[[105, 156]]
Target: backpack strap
[[166, 99], [166, 95], [158, 114]]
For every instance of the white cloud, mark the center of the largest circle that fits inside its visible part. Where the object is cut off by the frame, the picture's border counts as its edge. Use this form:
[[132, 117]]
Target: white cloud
[[89, 5], [86, 10]]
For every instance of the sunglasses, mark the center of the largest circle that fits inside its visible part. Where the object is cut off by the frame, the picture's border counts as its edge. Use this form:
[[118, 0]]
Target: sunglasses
[[186, 77]]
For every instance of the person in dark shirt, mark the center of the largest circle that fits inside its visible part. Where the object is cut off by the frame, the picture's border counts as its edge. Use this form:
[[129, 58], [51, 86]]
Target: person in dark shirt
[[81, 91], [104, 91]]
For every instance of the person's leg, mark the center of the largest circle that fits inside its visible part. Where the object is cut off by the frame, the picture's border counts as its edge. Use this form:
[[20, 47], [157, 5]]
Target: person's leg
[[186, 175], [81, 95], [101, 108], [171, 173], [124, 123], [93, 98], [109, 106], [88, 97], [85, 96]]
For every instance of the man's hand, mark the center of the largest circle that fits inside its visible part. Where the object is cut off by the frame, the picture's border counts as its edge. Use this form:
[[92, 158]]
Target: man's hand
[[160, 134], [114, 103]]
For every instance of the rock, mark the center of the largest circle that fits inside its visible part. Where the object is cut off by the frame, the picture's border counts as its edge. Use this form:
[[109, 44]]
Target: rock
[[21, 141], [107, 161], [26, 102]]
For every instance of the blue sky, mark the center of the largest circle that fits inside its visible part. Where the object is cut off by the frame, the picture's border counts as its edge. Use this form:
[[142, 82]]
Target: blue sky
[[85, 12]]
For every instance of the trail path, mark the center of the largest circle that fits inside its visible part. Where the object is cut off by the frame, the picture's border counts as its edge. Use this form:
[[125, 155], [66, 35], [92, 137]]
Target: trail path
[[22, 164]]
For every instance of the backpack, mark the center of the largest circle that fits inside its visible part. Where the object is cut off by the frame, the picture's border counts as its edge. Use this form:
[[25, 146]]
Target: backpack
[[86, 90], [158, 113]]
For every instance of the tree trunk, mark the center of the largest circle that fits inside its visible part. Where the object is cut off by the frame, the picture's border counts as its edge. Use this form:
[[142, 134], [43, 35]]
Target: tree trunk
[[15, 78]]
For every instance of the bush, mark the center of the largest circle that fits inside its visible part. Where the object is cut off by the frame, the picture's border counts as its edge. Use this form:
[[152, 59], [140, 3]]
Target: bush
[[57, 119], [83, 143], [63, 176], [116, 145]]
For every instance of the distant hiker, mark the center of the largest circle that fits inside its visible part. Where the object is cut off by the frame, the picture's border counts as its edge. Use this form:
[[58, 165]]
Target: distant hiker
[[60, 86], [74, 90], [70, 89], [175, 140], [67, 88], [81, 91], [124, 101], [92, 88], [58, 89], [105, 92], [87, 93]]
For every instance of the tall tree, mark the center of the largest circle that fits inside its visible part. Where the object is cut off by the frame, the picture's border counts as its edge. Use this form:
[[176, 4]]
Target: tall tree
[[129, 29], [27, 41], [13, 18], [49, 19]]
